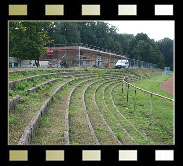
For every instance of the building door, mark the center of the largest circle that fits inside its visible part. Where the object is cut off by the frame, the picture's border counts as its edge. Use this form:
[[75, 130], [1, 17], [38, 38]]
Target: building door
[[81, 61], [98, 61]]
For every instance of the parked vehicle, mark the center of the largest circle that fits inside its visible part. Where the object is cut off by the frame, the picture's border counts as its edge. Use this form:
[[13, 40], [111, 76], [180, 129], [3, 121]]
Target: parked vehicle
[[122, 64]]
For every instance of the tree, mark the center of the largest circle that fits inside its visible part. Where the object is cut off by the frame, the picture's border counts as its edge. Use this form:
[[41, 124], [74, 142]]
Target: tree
[[166, 47], [65, 33], [28, 39], [143, 48], [143, 51]]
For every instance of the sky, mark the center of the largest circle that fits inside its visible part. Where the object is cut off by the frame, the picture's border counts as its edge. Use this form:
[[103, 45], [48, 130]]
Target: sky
[[156, 30]]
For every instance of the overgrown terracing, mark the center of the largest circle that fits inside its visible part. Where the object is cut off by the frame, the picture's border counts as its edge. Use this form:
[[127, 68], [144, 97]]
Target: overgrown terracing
[[85, 107]]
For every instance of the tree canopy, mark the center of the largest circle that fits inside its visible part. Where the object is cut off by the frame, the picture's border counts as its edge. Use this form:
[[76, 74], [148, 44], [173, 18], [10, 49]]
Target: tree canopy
[[166, 47], [27, 40]]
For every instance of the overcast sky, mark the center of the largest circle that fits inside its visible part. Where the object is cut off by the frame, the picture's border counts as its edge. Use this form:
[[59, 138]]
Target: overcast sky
[[156, 30]]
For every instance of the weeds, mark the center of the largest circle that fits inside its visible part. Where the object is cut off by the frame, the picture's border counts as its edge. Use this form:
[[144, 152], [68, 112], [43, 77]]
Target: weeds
[[44, 122], [12, 120], [52, 125]]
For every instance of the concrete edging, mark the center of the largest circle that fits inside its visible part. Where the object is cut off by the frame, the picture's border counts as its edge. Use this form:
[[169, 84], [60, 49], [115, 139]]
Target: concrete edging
[[13, 102], [30, 130], [33, 125], [13, 83], [34, 89], [66, 133]]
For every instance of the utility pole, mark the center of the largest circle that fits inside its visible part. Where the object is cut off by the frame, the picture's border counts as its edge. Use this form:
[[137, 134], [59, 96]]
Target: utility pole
[[79, 56]]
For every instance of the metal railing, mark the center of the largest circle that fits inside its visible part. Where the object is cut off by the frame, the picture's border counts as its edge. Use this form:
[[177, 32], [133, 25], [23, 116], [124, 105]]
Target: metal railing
[[124, 81]]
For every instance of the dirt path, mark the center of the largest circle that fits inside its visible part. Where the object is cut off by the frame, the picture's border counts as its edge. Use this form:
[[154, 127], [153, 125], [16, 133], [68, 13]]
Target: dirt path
[[168, 86]]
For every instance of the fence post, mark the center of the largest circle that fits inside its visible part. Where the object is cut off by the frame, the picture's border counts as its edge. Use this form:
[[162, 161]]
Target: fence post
[[127, 93], [122, 88], [150, 108], [135, 100]]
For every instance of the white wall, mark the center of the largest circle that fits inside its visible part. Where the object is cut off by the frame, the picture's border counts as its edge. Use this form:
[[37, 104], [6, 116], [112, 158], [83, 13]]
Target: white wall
[[13, 60], [28, 63], [43, 63]]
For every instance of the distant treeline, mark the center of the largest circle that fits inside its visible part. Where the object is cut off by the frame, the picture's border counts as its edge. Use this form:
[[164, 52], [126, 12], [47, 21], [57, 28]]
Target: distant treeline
[[28, 39]]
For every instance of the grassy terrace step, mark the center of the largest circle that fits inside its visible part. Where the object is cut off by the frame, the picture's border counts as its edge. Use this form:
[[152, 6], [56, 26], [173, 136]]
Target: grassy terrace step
[[52, 125], [66, 133], [93, 107], [106, 96], [154, 132], [80, 128], [111, 120], [21, 76], [77, 134], [16, 76], [34, 89], [13, 84], [101, 129], [23, 113], [139, 136], [116, 137], [51, 132], [37, 70], [21, 87]]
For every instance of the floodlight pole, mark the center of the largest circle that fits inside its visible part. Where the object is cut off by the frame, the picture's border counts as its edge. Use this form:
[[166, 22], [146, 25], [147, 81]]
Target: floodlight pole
[[79, 57]]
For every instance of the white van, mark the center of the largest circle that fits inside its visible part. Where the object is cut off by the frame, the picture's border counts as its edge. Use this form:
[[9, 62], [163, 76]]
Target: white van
[[122, 64]]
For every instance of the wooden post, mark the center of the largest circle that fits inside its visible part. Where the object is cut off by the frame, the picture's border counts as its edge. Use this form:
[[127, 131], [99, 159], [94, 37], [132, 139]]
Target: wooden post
[[79, 57], [135, 100], [127, 93], [150, 108], [122, 89]]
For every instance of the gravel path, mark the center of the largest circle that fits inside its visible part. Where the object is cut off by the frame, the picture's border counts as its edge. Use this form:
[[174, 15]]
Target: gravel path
[[168, 86]]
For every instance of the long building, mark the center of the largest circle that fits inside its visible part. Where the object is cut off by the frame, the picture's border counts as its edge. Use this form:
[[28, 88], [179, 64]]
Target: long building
[[79, 56]]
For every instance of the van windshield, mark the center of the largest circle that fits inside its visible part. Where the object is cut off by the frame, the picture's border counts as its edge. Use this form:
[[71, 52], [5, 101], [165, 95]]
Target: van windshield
[[122, 61]]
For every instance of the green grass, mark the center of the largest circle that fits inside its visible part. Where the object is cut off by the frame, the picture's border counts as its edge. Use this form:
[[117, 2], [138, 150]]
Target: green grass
[[52, 125], [162, 110], [44, 121], [132, 132], [111, 120], [16, 76], [78, 126], [54, 135], [31, 103], [102, 132], [21, 87]]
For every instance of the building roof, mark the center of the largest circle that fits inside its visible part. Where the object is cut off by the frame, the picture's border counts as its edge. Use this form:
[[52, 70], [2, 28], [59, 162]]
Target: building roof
[[86, 48]]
